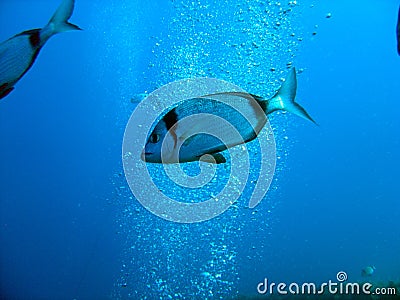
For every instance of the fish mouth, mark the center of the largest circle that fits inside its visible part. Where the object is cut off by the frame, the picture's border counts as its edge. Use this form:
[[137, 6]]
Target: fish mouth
[[144, 154]]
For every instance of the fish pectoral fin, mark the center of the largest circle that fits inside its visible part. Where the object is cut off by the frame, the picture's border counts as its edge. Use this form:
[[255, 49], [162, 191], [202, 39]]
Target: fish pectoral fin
[[216, 158]]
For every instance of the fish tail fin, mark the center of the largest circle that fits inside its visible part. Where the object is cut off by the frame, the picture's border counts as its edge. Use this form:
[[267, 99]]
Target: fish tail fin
[[59, 21], [284, 98]]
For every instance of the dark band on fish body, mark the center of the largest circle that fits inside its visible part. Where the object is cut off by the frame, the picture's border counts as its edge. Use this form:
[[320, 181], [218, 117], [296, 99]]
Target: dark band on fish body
[[34, 40], [260, 101], [170, 119], [34, 37]]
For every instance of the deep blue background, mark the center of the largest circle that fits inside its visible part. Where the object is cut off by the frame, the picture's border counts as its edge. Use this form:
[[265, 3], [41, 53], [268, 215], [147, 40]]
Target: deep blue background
[[61, 133]]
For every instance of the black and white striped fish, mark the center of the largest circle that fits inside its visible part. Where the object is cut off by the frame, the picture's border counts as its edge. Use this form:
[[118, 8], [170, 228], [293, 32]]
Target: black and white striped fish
[[203, 125], [18, 53]]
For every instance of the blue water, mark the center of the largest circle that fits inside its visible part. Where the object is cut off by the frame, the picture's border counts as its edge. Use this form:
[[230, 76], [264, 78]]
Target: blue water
[[71, 229]]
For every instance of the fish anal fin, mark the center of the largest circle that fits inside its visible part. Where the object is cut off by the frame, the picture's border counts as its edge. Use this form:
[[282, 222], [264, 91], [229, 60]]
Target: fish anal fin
[[216, 158]]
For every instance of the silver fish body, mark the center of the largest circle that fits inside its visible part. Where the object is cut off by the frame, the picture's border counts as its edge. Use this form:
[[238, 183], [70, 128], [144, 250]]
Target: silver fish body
[[214, 123], [236, 120], [18, 53]]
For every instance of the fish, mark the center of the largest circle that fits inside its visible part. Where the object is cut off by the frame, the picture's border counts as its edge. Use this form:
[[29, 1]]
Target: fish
[[398, 32], [18, 53], [186, 141], [368, 271], [137, 98]]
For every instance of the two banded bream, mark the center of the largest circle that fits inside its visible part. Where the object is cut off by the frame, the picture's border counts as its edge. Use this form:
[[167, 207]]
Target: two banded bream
[[186, 141], [18, 53]]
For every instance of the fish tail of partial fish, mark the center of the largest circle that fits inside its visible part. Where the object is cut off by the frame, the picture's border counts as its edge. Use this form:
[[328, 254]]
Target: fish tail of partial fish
[[59, 21], [398, 32], [284, 99]]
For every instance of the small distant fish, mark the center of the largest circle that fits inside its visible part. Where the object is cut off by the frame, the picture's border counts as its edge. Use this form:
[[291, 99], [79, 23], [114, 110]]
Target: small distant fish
[[187, 143], [18, 53], [368, 271], [136, 98], [398, 32]]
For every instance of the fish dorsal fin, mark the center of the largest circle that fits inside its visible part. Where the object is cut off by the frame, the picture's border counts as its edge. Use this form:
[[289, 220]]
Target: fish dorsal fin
[[250, 106], [237, 94]]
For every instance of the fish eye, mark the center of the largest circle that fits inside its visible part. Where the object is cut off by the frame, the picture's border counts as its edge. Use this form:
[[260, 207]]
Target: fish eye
[[154, 138]]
